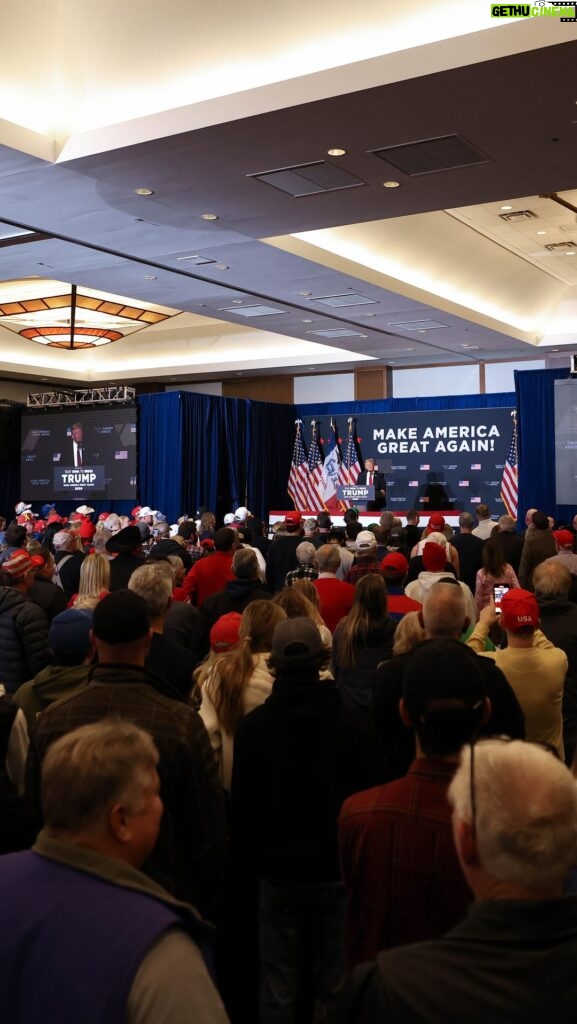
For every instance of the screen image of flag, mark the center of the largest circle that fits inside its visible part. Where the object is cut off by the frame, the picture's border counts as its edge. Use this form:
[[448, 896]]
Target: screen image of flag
[[331, 468], [298, 480], [316, 487], [510, 478]]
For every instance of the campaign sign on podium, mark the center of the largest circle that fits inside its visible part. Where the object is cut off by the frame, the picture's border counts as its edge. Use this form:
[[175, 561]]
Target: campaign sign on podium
[[356, 492], [78, 478]]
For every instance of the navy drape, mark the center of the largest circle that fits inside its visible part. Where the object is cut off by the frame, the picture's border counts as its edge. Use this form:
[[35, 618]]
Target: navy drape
[[536, 431]]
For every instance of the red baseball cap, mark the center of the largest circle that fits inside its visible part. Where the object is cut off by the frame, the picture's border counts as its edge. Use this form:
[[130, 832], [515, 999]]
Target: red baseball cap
[[437, 521], [224, 633], [21, 563], [564, 538], [519, 609], [395, 564], [293, 519]]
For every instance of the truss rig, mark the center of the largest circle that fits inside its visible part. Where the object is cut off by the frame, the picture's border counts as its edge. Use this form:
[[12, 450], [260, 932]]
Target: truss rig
[[85, 396]]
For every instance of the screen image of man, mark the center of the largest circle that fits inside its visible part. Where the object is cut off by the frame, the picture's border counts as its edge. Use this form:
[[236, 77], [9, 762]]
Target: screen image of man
[[77, 450]]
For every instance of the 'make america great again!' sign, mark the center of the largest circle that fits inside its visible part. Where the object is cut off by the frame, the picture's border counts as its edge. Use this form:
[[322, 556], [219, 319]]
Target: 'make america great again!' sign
[[451, 459]]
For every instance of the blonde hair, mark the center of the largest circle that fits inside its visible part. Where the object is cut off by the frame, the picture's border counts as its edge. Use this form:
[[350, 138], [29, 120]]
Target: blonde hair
[[408, 633], [94, 580], [296, 605], [308, 589], [227, 683]]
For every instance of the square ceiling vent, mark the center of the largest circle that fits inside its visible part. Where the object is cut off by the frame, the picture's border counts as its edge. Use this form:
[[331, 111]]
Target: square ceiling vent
[[340, 301], [418, 325], [308, 179], [250, 311], [431, 155], [342, 332]]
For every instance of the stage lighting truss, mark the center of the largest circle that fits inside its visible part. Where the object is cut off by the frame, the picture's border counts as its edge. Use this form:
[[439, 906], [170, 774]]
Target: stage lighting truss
[[86, 396]]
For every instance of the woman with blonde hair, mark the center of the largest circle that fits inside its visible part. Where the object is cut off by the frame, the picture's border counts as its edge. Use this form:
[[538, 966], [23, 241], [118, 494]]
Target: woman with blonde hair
[[362, 640], [239, 682], [408, 634], [296, 602], [94, 582]]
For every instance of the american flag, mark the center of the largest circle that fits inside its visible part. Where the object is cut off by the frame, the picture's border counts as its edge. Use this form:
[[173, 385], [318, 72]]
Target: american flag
[[298, 480], [316, 485], [350, 466], [510, 479]]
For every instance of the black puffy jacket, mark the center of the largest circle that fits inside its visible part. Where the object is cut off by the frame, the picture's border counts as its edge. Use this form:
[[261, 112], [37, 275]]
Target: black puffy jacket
[[23, 639]]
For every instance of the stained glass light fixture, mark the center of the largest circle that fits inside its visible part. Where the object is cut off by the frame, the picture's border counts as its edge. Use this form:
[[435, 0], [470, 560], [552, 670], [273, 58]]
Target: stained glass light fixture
[[66, 316]]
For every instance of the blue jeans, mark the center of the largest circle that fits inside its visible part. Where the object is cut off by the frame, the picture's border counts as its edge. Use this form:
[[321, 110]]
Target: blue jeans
[[301, 950]]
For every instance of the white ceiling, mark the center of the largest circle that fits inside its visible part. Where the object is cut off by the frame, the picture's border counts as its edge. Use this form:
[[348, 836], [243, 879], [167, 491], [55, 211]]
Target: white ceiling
[[193, 100]]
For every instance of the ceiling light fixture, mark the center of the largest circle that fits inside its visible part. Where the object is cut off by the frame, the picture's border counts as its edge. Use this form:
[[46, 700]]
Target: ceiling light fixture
[[540, 232], [150, 277], [505, 207], [336, 152], [570, 252], [63, 316], [143, 192], [391, 184], [209, 216], [221, 266]]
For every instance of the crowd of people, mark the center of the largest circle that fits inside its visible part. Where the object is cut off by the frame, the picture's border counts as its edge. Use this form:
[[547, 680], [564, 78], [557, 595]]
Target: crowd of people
[[326, 775]]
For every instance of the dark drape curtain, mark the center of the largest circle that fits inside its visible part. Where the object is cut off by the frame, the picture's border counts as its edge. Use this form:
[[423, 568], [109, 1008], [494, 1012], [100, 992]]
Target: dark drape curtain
[[341, 410], [160, 452], [536, 431], [10, 419], [270, 439]]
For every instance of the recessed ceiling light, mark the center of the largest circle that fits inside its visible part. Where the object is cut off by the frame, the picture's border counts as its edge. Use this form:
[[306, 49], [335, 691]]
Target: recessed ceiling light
[[505, 207], [554, 349], [312, 367], [305, 293], [209, 216], [237, 302], [391, 184], [336, 152], [421, 330], [150, 277], [143, 192], [570, 252], [540, 232], [221, 266], [307, 321]]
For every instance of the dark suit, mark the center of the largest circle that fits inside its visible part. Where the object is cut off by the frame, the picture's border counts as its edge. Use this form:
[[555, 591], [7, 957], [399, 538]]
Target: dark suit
[[379, 485]]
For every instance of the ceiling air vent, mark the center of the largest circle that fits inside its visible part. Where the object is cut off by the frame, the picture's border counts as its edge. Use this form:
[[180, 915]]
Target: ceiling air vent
[[308, 179], [518, 215], [250, 311], [342, 332], [560, 246], [431, 155], [418, 325], [340, 301]]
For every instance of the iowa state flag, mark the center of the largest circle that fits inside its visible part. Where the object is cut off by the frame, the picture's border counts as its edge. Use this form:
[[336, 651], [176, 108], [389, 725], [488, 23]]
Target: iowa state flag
[[331, 467]]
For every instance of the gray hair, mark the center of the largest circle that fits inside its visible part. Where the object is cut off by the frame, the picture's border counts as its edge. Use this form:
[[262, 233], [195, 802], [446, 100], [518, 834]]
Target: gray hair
[[466, 521], [153, 582], [551, 578], [306, 552], [328, 558], [526, 812], [444, 611], [90, 769], [244, 564], [386, 520], [506, 524]]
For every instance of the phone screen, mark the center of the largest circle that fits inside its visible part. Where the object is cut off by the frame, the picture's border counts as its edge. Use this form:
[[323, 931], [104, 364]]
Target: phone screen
[[499, 592]]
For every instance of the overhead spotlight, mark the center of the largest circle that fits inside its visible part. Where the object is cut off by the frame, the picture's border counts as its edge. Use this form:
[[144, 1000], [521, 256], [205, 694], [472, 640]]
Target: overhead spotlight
[[209, 216], [336, 152], [391, 184], [144, 192]]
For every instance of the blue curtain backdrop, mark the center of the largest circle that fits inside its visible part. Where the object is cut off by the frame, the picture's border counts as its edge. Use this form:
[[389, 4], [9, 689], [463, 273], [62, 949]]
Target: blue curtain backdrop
[[536, 431]]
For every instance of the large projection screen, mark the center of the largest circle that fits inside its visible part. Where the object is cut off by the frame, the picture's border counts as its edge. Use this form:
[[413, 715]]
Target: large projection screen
[[565, 393], [79, 453]]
